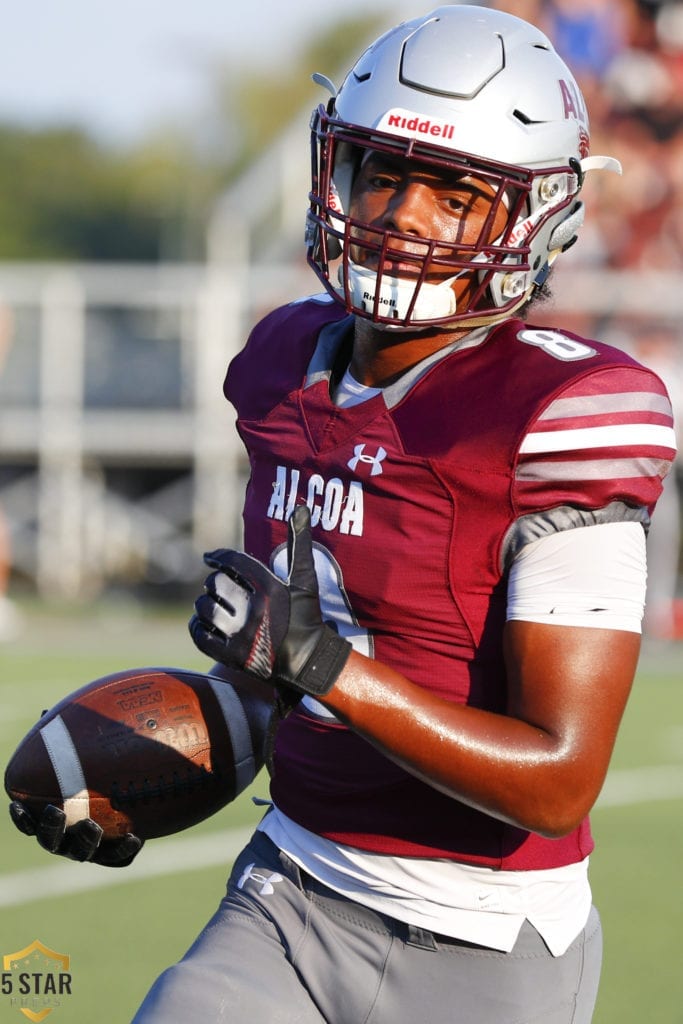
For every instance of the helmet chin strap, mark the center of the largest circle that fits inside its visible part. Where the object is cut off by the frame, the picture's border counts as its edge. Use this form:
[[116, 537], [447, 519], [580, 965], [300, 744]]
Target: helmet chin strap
[[434, 301]]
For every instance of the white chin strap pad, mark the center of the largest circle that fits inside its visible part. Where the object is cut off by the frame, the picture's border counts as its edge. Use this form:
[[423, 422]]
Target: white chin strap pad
[[396, 294]]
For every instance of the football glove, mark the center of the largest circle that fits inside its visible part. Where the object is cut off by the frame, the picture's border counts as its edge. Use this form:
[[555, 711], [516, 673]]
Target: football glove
[[82, 841], [252, 620]]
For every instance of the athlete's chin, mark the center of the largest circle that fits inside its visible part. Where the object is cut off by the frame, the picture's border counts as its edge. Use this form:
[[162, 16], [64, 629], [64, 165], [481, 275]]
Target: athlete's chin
[[390, 334]]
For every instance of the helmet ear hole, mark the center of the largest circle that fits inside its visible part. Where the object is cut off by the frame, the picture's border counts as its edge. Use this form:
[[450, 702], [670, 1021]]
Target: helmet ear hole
[[314, 245], [566, 232], [334, 249]]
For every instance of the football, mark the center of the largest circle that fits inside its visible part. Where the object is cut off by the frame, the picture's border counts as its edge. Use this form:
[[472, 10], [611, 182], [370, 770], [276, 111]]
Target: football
[[150, 751]]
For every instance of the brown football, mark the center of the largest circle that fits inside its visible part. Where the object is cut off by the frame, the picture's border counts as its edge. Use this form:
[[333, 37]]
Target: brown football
[[148, 750]]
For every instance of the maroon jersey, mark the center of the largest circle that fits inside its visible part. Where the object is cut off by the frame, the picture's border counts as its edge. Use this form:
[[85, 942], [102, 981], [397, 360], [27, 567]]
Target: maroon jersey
[[419, 497]]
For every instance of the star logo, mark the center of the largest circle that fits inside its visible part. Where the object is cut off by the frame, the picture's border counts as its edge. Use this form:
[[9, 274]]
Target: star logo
[[36, 979]]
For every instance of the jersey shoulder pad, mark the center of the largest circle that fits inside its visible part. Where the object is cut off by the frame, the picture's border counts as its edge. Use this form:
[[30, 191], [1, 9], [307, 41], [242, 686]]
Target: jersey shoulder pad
[[276, 355]]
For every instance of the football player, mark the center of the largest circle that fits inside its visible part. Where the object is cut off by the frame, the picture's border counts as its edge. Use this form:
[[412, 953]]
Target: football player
[[444, 567]]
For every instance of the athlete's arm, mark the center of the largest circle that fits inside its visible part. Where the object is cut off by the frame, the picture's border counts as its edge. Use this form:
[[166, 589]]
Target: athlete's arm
[[567, 682], [541, 766]]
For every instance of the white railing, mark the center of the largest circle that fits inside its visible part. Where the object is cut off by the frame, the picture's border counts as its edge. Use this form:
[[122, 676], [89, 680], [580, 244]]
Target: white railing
[[62, 441]]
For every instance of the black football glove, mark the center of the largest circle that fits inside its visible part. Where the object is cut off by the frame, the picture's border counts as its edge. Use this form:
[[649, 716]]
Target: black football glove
[[250, 619], [82, 841]]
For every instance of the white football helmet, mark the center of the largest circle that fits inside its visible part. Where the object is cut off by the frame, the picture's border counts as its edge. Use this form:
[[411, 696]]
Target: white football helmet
[[464, 89]]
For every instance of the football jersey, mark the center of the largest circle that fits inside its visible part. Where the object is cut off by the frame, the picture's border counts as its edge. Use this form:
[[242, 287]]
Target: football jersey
[[419, 498]]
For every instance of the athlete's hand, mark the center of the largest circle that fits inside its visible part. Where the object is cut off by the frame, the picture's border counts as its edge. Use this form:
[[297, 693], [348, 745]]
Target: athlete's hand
[[82, 841], [250, 619]]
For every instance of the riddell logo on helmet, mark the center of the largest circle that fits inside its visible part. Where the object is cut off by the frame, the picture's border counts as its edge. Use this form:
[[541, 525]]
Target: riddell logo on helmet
[[406, 121]]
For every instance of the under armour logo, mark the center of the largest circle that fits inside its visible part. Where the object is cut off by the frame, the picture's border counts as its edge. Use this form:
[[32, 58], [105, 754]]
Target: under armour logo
[[371, 460], [265, 881]]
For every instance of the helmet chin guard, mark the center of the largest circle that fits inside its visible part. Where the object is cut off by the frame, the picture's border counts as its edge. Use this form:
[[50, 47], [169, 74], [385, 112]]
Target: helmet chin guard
[[462, 91], [396, 298]]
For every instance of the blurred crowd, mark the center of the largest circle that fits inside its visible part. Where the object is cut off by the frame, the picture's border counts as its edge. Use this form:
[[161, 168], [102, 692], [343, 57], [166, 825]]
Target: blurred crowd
[[628, 58]]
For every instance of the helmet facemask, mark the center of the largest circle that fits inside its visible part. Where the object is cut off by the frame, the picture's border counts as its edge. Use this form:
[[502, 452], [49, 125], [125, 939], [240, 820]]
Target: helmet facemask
[[354, 259]]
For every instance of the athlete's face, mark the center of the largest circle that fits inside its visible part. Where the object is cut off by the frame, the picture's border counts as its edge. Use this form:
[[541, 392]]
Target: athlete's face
[[396, 194]]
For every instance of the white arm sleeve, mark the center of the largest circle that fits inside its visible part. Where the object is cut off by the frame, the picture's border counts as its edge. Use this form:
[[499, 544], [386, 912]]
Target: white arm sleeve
[[588, 576]]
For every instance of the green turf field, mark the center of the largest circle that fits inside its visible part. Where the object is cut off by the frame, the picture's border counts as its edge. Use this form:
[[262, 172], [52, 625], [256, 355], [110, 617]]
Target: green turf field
[[120, 928]]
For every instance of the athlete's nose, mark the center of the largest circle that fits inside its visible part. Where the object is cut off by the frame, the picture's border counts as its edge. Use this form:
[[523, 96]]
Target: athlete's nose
[[408, 210]]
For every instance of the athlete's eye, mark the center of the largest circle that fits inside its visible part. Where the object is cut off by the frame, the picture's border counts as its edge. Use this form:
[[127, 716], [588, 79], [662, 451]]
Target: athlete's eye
[[382, 181], [466, 200], [458, 203]]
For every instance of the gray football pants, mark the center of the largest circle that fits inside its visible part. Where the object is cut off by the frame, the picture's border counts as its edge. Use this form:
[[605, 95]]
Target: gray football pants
[[283, 949]]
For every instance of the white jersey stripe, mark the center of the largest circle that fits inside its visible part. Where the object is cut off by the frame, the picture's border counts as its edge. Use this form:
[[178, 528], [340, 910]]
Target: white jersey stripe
[[240, 735], [599, 405], [68, 770], [613, 436], [593, 469]]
